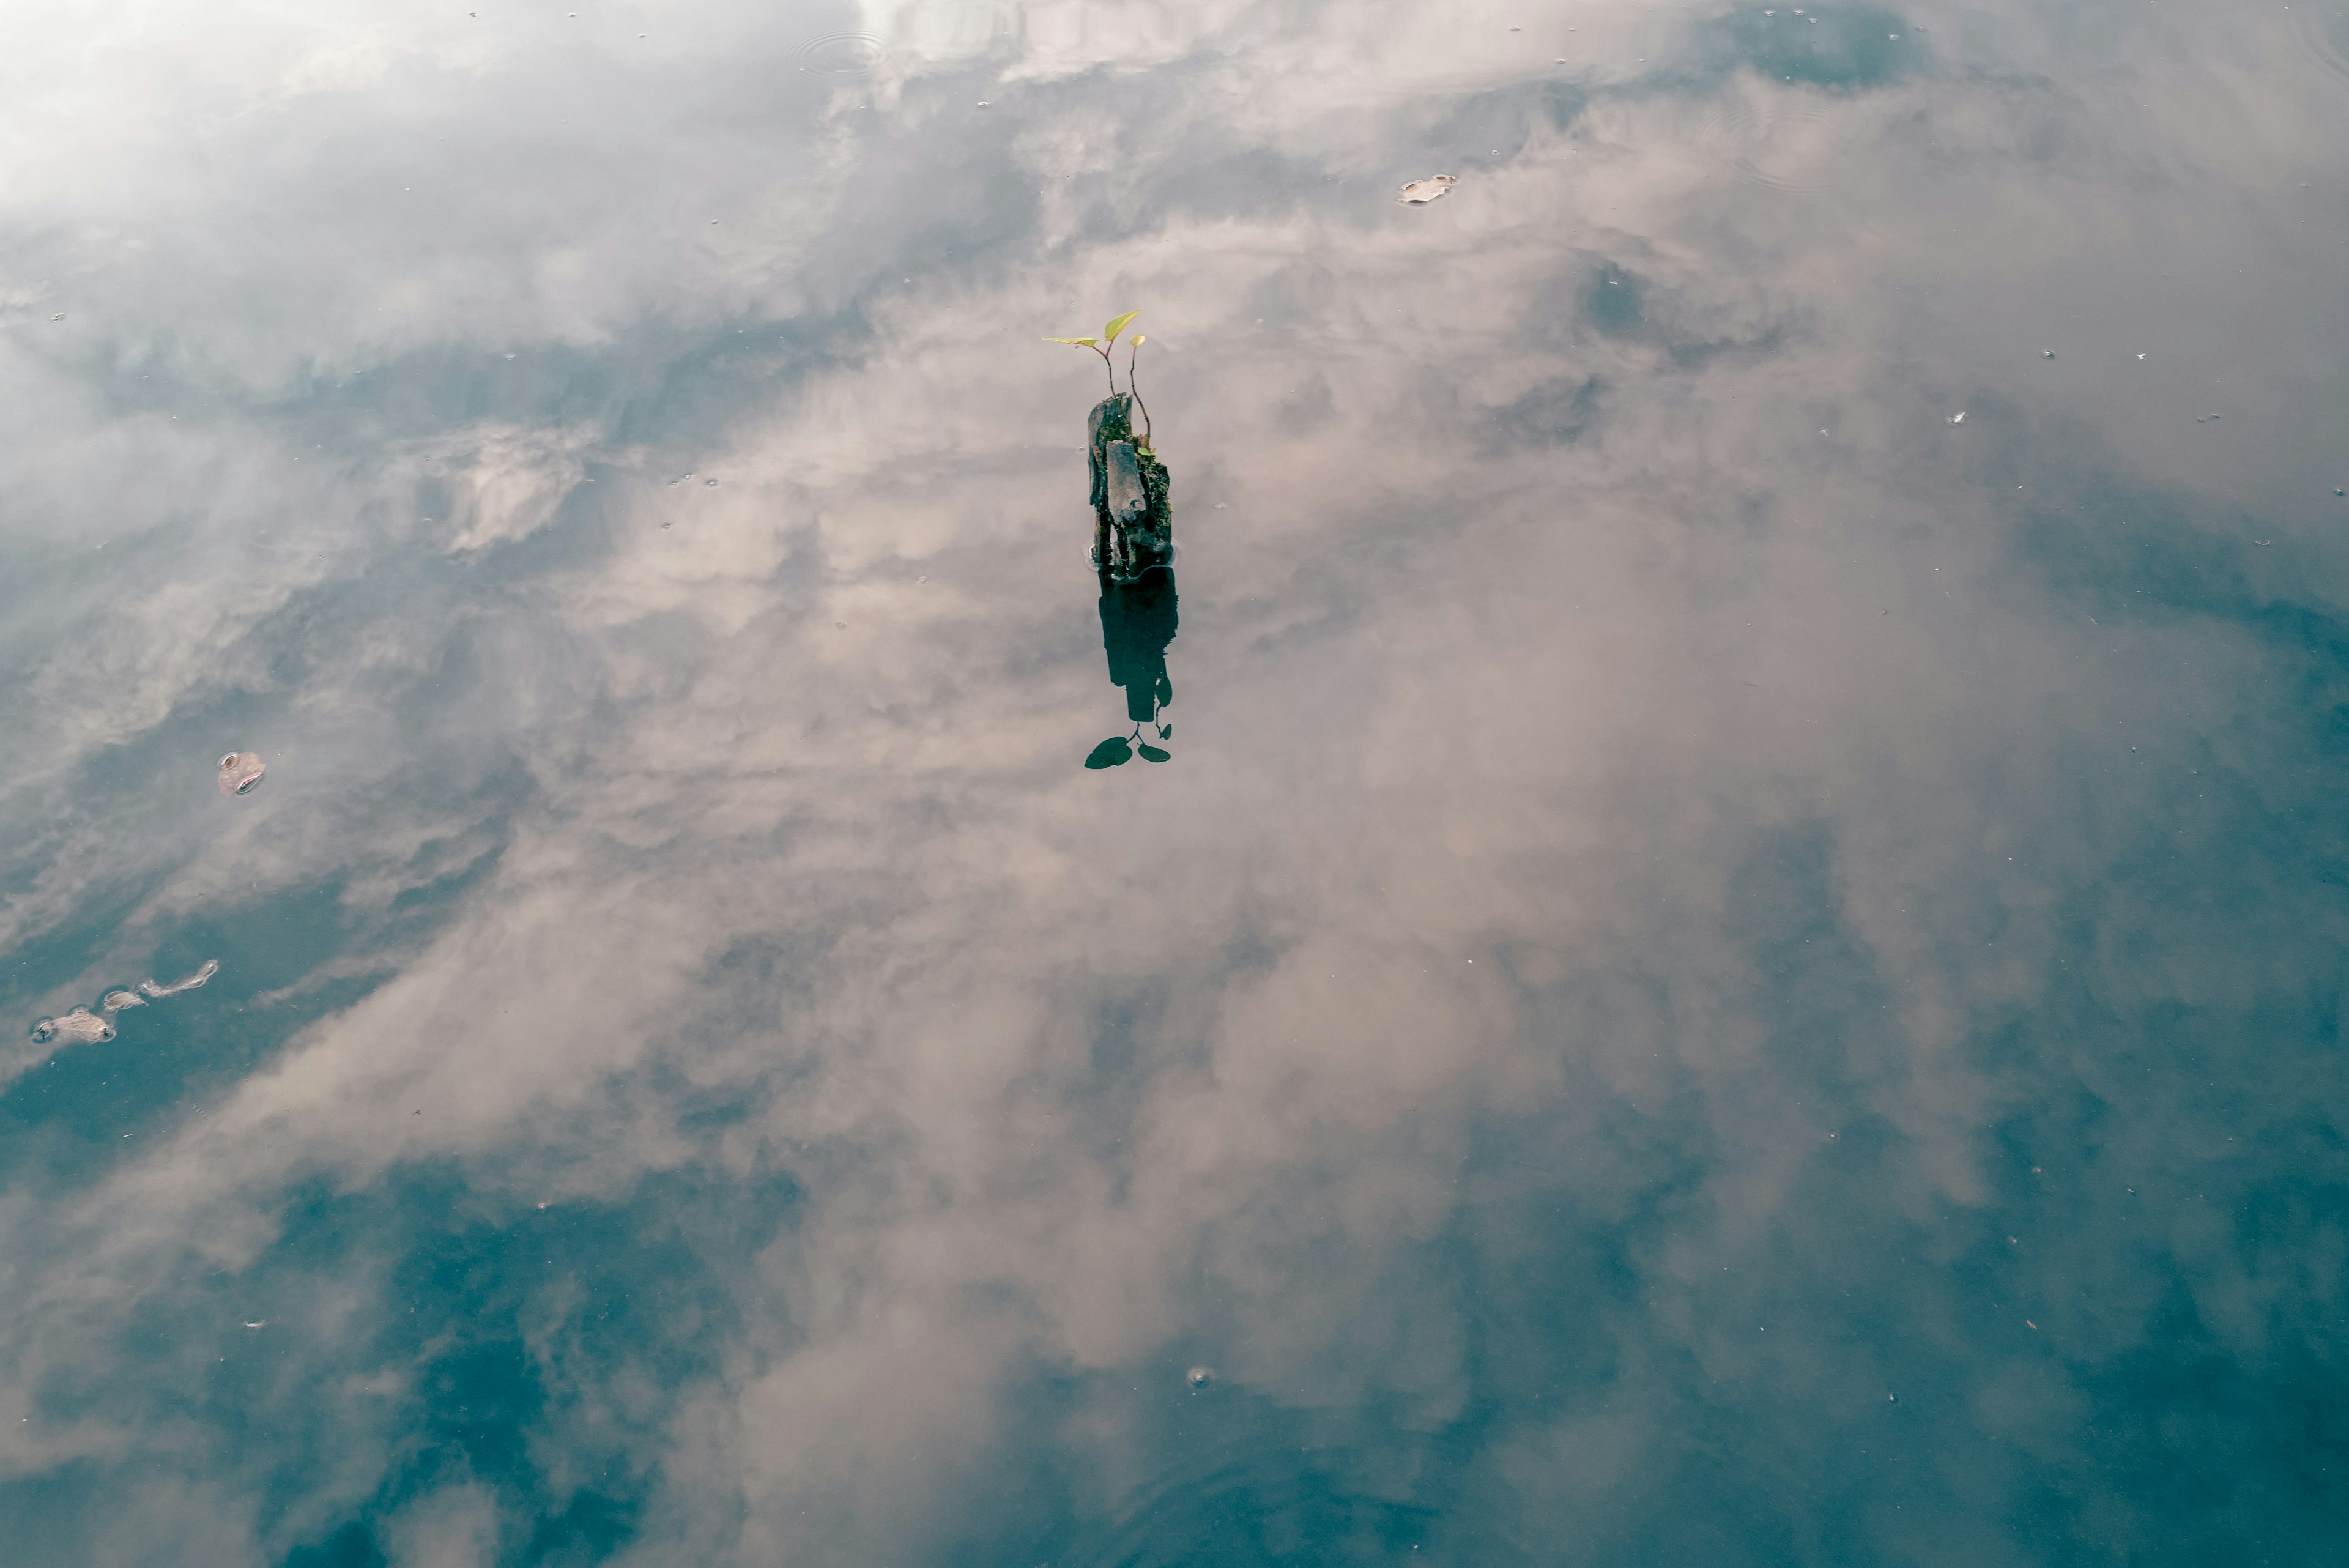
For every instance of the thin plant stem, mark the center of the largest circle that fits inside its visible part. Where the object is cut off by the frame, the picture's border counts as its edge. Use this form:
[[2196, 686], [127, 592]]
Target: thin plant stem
[[1134, 388]]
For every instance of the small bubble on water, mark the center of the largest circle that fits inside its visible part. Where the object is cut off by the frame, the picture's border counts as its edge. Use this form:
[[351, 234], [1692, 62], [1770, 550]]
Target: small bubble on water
[[664, 524], [2047, 353], [711, 483], [1199, 1376]]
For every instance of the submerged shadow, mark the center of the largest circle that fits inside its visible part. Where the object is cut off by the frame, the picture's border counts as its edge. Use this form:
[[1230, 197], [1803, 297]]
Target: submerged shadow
[[1138, 620]]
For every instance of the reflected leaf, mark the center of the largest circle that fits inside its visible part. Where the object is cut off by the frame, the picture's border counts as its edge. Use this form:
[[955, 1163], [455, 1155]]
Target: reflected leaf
[[1109, 754], [1165, 730], [1117, 325], [1166, 692], [1151, 754]]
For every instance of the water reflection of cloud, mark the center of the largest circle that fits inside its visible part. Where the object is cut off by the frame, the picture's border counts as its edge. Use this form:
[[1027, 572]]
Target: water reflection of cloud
[[1639, 867]]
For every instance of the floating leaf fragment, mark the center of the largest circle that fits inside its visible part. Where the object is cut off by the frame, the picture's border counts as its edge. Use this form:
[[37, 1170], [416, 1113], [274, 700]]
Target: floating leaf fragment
[[204, 971], [1428, 190], [240, 772], [79, 1027]]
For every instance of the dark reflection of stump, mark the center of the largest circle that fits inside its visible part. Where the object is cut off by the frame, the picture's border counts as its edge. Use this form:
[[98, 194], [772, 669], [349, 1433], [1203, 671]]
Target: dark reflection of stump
[[1137, 623], [1134, 524], [1138, 620]]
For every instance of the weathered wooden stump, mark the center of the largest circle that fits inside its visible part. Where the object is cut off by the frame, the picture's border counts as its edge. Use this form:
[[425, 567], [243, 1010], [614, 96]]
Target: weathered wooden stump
[[1133, 525]]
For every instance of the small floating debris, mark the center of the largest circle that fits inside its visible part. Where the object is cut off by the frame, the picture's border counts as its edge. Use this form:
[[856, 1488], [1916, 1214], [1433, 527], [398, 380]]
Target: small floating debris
[[79, 1027], [1434, 188], [240, 772], [1959, 417], [259, 1323], [1200, 1376], [82, 1027], [2047, 353], [204, 971]]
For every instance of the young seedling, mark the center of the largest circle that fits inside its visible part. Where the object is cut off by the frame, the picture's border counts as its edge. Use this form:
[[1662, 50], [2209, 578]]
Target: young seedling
[[1134, 388], [1102, 344]]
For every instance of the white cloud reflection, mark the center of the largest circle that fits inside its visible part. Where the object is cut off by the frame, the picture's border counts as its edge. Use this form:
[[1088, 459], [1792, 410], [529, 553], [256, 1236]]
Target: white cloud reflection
[[1625, 746]]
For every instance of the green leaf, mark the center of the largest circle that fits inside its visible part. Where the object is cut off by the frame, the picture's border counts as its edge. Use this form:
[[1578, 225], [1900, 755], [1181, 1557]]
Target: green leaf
[[1165, 730], [1152, 753], [1109, 754], [1117, 325], [1077, 342], [1166, 692], [1140, 338]]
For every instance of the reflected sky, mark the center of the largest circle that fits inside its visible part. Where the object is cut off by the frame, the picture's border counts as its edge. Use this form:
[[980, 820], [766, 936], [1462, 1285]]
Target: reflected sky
[[1726, 966]]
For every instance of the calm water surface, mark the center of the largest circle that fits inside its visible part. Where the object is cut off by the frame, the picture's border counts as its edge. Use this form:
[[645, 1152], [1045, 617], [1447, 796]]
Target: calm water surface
[[1737, 957]]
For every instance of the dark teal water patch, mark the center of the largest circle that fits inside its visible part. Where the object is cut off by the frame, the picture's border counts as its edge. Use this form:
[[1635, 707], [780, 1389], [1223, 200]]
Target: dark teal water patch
[[1840, 47], [500, 1332]]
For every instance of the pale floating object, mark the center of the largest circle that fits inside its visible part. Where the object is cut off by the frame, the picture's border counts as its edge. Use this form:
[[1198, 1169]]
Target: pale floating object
[[263, 1323], [115, 1001], [1199, 1376], [1959, 417], [240, 772], [153, 992], [1432, 187], [79, 1027]]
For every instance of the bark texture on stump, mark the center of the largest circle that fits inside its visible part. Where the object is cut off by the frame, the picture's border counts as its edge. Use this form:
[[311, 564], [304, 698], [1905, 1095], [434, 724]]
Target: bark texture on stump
[[1134, 525]]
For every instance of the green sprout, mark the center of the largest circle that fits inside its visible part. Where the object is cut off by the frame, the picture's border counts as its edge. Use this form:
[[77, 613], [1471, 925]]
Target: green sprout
[[1102, 344]]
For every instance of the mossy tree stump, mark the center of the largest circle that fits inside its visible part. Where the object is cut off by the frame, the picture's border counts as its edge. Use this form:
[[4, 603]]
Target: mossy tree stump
[[1134, 525]]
